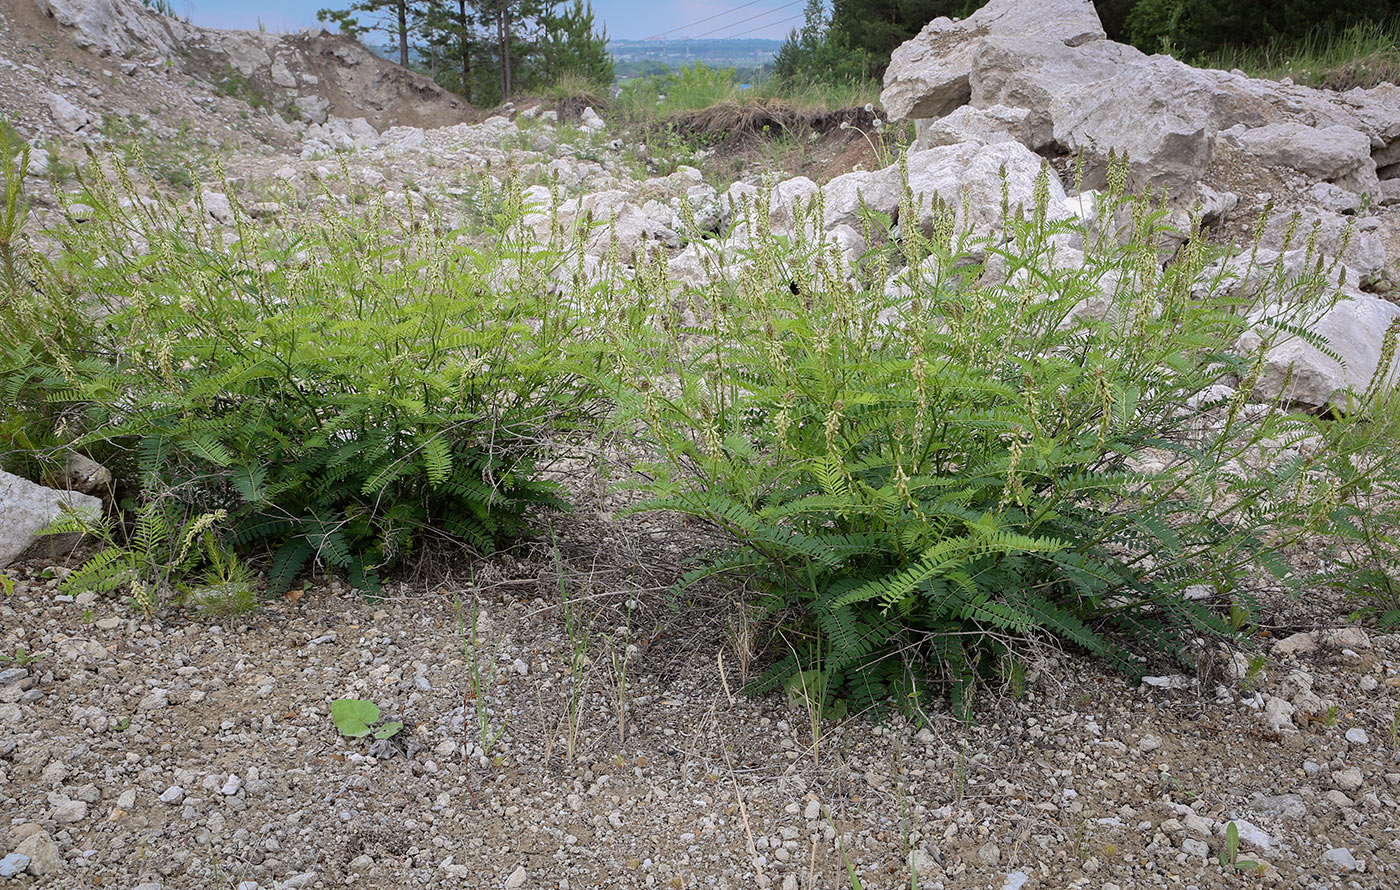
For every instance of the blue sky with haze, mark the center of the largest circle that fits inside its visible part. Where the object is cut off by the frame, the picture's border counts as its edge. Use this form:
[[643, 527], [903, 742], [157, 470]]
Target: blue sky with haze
[[631, 19]]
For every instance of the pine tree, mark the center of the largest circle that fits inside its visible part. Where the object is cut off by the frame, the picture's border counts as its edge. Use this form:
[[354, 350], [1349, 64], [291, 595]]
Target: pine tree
[[399, 11], [573, 45], [878, 27]]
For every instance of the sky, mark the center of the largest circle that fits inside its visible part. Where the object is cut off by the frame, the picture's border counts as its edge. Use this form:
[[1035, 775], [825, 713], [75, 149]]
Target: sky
[[628, 19]]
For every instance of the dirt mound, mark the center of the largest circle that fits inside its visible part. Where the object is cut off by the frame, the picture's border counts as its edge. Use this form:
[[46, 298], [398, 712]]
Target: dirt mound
[[766, 117]]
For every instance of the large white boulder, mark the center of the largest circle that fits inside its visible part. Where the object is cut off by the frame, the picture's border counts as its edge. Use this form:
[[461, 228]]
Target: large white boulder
[[997, 123], [27, 509], [968, 178], [789, 199], [1364, 251], [1082, 93], [1322, 153], [1355, 331], [844, 196], [929, 75], [67, 115]]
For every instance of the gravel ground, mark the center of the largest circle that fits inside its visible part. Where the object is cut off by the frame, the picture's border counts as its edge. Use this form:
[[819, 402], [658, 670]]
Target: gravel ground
[[617, 751], [171, 753]]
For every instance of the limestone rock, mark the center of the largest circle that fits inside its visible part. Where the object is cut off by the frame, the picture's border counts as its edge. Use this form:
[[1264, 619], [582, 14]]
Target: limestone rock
[[44, 858], [1327, 153], [1354, 329], [844, 196], [999, 123], [968, 178], [67, 115], [27, 508], [928, 76], [117, 28]]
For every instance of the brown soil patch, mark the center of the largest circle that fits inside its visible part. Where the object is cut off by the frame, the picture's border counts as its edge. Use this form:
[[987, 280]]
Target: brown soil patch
[[765, 117]]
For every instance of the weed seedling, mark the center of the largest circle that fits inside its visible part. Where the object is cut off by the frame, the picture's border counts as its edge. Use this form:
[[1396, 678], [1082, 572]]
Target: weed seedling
[[21, 658], [355, 718], [478, 679], [1230, 856]]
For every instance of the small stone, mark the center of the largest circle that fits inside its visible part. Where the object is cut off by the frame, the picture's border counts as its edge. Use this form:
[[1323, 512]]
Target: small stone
[[1357, 736], [66, 812], [1197, 849], [1198, 824], [13, 864], [1279, 806], [1149, 743], [298, 882], [813, 811], [520, 667], [55, 773], [42, 853], [13, 675], [1278, 713], [1345, 638], [154, 701], [361, 863], [790, 882], [1338, 799], [1252, 835], [925, 865], [516, 879], [127, 799], [248, 885], [1340, 857], [422, 684], [989, 853], [1169, 681], [173, 794], [1017, 879], [231, 785], [1296, 644], [1349, 779]]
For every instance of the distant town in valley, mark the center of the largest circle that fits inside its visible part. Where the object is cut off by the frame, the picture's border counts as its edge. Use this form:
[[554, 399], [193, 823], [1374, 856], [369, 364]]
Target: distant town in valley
[[642, 58], [639, 58]]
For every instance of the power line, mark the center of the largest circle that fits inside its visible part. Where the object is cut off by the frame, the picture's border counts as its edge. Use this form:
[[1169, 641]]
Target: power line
[[777, 24], [708, 18], [751, 18]]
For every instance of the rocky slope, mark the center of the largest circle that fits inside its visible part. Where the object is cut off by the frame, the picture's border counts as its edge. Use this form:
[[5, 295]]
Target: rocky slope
[[72, 65], [150, 753]]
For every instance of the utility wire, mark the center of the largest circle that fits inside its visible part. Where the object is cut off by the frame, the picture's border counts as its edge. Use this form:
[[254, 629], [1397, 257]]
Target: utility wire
[[704, 20], [751, 18], [777, 24]]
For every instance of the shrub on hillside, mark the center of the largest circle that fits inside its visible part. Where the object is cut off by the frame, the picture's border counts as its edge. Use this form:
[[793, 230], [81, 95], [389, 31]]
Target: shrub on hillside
[[915, 481], [347, 390]]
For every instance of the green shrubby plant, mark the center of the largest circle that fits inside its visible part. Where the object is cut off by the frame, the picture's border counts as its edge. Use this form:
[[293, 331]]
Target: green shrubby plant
[[1363, 464], [348, 390], [155, 559], [918, 480]]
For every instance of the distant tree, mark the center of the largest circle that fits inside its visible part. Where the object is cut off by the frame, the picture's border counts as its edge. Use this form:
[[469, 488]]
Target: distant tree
[[878, 27], [573, 45], [818, 52], [1195, 28], [465, 25], [397, 13]]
